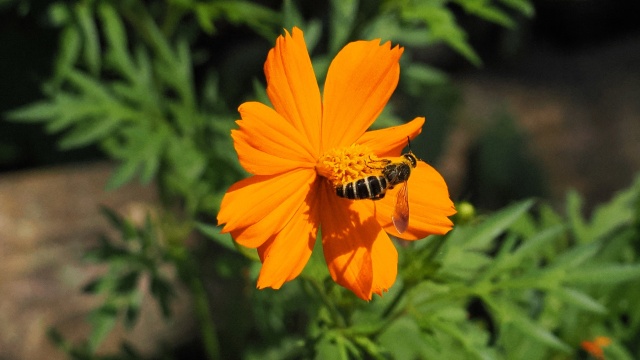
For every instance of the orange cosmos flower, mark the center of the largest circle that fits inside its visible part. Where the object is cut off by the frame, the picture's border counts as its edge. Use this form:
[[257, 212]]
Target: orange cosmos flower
[[306, 145], [596, 347]]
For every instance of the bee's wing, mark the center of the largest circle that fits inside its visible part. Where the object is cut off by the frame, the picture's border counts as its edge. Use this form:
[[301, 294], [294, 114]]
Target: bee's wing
[[400, 216]]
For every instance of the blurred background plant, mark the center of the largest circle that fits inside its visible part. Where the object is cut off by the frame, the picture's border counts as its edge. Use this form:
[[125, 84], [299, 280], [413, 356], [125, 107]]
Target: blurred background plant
[[153, 87]]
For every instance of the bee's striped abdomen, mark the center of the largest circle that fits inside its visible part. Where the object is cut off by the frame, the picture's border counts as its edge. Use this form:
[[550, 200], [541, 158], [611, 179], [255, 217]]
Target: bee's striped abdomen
[[372, 187]]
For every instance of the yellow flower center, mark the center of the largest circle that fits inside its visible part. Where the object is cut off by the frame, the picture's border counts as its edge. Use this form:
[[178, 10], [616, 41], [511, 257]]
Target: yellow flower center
[[344, 165]]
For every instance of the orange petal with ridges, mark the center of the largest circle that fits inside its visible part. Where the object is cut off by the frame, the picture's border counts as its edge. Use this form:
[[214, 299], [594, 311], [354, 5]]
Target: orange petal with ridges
[[359, 255], [260, 163], [292, 86], [359, 83], [429, 205], [385, 263], [285, 254], [254, 235], [272, 133], [251, 200], [390, 141]]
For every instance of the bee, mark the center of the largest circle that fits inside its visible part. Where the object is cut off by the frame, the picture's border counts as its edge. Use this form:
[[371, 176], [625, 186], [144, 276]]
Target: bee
[[375, 187]]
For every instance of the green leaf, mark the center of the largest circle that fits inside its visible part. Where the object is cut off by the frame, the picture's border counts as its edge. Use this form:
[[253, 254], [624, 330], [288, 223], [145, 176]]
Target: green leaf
[[425, 74], [523, 6], [186, 158], [343, 16], [72, 109], [91, 43], [213, 233], [162, 290], [89, 86], [327, 349], [482, 235], [102, 320], [292, 16], [580, 300], [127, 283], [403, 340], [605, 274], [577, 255], [122, 174], [463, 264], [69, 46], [105, 252], [260, 18], [36, 112], [539, 333], [89, 132], [316, 267], [116, 38], [371, 348], [528, 248], [149, 169], [94, 286], [443, 27], [618, 212], [574, 213], [484, 10], [132, 312]]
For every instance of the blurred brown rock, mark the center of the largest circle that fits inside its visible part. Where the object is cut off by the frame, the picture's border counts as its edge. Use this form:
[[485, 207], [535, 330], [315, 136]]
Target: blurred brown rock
[[48, 218]]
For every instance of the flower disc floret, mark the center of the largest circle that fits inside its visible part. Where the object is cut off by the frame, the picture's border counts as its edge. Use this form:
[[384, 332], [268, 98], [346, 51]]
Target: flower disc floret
[[344, 165]]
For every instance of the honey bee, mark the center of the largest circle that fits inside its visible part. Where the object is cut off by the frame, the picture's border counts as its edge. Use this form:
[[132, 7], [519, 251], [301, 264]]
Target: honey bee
[[375, 187]]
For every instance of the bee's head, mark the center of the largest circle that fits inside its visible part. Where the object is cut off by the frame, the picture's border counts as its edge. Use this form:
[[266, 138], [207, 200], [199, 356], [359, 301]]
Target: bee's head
[[411, 159]]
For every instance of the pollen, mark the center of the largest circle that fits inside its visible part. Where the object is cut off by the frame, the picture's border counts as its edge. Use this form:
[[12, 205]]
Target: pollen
[[343, 165]]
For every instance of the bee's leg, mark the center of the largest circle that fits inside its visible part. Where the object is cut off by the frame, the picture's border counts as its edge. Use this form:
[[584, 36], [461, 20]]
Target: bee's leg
[[378, 164], [379, 196]]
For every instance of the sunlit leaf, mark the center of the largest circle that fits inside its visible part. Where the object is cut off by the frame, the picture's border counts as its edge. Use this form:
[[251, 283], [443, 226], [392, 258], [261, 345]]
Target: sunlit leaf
[[482, 235], [605, 274], [580, 299], [539, 333]]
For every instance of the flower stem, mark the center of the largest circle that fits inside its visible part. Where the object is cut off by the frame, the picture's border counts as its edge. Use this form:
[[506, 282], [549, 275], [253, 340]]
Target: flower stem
[[333, 310]]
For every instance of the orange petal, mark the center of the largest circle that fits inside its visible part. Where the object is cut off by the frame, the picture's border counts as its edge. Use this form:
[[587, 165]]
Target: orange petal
[[260, 163], [267, 144], [359, 83], [390, 141], [359, 255], [429, 205], [594, 349], [267, 200], [256, 234], [285, 254], [293, 88]]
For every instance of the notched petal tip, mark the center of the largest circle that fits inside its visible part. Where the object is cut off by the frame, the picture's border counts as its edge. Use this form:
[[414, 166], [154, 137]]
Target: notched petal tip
[[292, 86]]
